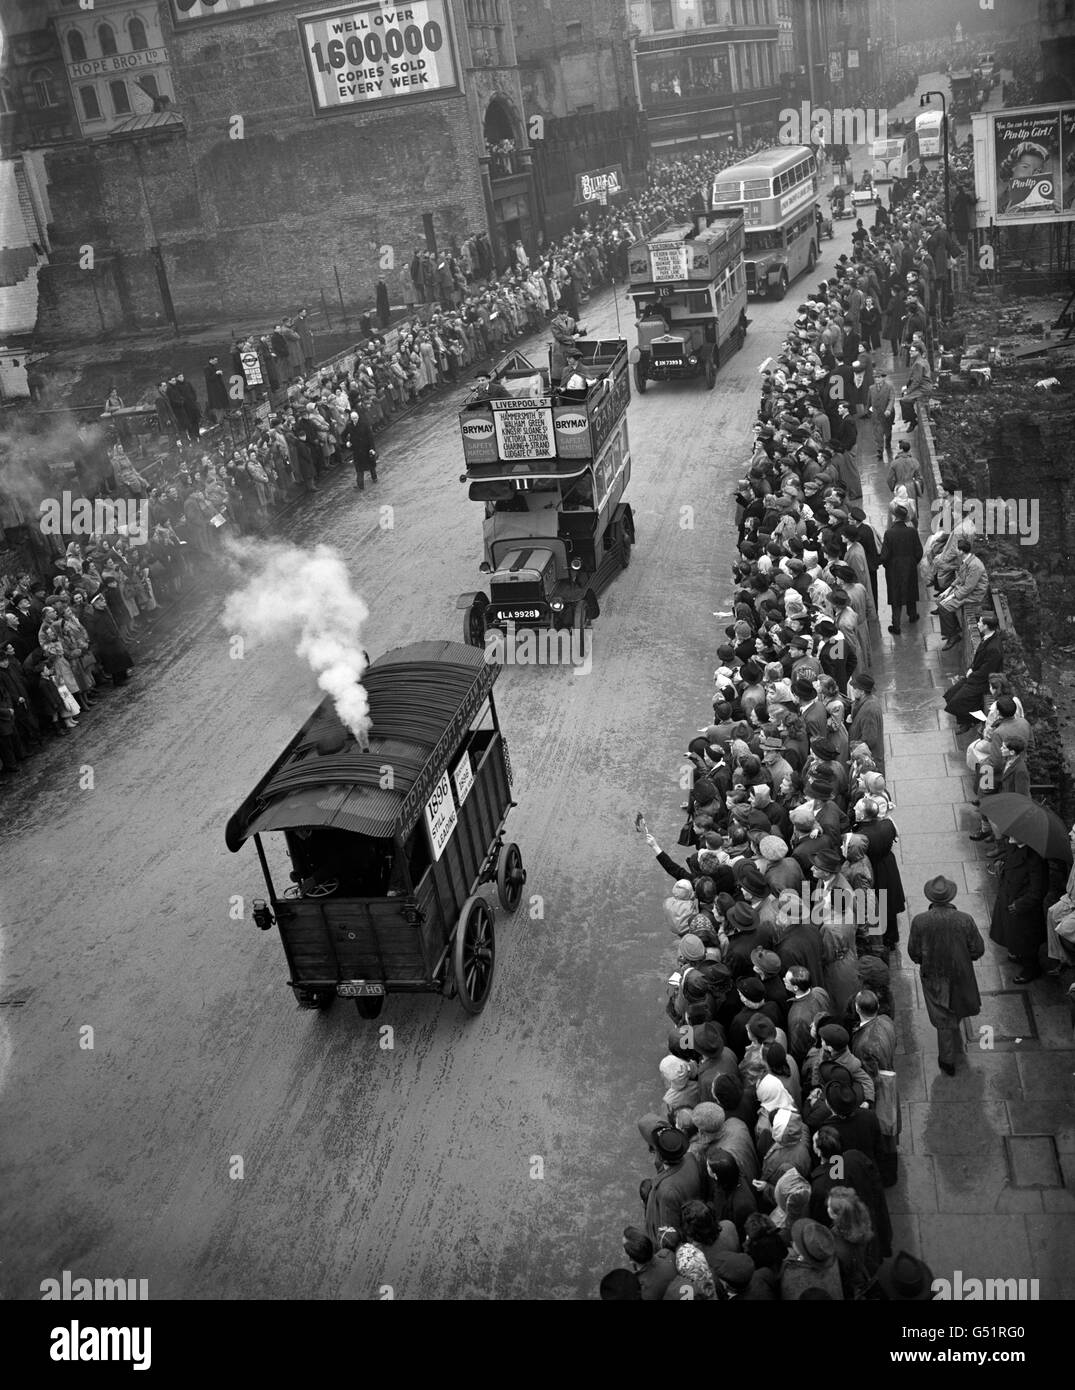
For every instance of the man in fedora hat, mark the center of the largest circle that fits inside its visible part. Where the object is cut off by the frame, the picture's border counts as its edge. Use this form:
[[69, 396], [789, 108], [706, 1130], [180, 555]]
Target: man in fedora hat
[[906, 1279], [866, 722], [679, 1180], [744, 935], [811, 710], [901, 551], [944, 944], [840, 1108]]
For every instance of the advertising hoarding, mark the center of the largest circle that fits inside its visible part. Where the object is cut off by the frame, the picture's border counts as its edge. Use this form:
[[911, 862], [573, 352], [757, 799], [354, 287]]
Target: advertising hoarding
[[598, 184], [187, 12], [368, 54], [1024, 165]]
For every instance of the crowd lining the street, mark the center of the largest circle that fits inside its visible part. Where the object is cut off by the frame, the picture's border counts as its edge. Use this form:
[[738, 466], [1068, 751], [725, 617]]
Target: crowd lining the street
[[74, 621], [777, 1128]]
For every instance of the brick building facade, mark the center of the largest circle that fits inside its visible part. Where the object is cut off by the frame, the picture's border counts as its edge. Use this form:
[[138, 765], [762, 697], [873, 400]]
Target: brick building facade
[[256, 200]]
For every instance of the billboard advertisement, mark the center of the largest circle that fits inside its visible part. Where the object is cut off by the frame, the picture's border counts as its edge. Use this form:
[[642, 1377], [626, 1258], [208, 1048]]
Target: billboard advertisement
[[368, 54], [598, 185], [1024, 165], [191, 11]]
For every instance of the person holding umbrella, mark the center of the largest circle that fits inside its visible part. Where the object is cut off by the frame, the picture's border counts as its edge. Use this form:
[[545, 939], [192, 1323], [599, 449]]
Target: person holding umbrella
[[944, 943], [1036, 835], [1019, 912]]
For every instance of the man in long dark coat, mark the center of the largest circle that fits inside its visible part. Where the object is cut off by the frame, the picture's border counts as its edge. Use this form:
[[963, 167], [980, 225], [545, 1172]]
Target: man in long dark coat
[[216, 390], [190, 398], [15, 694], [186, 422], [866, 720], [166, 417], [1018, 920], [105, 640], [384, 312], [306, 339], [880, 836], [900, 554], [966, 696], [944, 944], [679, 1180], [358, 437]]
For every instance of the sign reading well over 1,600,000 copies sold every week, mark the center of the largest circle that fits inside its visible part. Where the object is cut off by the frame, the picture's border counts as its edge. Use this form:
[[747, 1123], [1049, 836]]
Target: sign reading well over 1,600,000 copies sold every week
[[375, 52]]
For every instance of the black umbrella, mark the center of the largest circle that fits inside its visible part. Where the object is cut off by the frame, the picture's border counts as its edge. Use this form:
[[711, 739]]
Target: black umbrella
[[1029, 822]]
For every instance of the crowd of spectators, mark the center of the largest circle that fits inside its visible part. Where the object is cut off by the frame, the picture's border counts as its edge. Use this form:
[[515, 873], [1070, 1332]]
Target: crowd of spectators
[[778, 1122], [75, 617]]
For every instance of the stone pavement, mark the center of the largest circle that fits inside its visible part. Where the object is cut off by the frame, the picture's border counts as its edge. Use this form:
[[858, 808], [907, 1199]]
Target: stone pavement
[[987, 1157]]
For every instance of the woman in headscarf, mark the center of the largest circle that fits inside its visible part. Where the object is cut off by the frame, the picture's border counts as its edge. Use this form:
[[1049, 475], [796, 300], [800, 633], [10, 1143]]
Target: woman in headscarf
[[791, 1194], [773, 1094], [681, 1086], [783, 1069], [692, 1266], [681, 906], [789, 1149], [900, 498]]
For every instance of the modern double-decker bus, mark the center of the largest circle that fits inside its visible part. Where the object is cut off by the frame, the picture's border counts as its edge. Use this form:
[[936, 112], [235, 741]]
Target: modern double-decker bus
[[776, 191], [895, 157], [929, 127]]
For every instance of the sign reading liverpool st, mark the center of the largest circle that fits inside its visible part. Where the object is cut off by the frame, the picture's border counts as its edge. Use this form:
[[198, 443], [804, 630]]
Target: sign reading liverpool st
[[374, 52]]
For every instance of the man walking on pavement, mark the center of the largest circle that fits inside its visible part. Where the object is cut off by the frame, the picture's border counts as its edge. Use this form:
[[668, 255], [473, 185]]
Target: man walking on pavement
[[882, 411], [900, 554], [944, 944], [358, 437]]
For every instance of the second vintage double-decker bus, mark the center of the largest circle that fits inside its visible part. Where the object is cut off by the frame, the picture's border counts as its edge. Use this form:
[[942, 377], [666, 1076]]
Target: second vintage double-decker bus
[[776, 191]]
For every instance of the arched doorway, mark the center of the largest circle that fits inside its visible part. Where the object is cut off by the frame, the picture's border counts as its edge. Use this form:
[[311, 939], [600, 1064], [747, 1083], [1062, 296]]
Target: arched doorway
[[500, 138], [511, 182]]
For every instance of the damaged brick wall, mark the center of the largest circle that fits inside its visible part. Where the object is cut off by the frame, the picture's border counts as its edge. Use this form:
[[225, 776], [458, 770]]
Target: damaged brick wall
[[254, 225]]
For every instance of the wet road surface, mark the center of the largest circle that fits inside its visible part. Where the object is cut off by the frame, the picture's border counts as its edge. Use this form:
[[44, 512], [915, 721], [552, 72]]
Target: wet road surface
[[487, 1158]]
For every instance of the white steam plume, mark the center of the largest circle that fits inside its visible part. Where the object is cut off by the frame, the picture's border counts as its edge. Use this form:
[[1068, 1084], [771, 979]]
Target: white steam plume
[[288, 592]]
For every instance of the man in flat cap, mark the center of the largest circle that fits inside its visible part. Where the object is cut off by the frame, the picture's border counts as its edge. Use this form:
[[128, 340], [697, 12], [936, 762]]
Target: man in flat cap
[[944, 944]]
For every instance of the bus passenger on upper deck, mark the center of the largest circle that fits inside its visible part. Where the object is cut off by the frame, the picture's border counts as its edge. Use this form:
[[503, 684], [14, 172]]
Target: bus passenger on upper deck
[[574, 378], [488, 388]]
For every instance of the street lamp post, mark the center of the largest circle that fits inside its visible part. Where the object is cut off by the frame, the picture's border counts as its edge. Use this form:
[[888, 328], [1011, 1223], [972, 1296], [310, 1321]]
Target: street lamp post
[[924, 101]]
